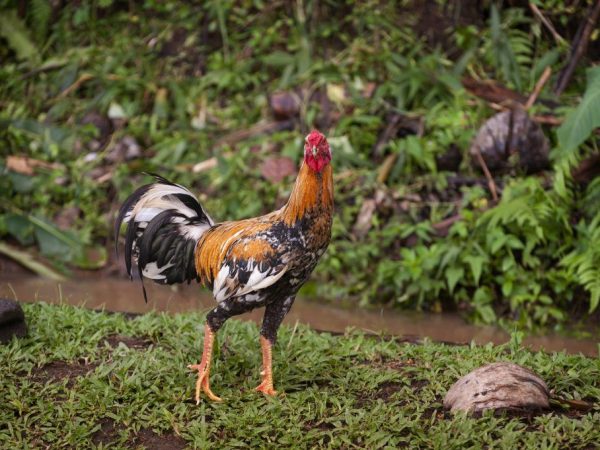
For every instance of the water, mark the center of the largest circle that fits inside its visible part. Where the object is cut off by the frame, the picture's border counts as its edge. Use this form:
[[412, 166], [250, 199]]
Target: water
[[126, 296]]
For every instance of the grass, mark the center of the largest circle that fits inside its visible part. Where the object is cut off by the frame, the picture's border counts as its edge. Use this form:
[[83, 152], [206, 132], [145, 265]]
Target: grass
[[85, 379]]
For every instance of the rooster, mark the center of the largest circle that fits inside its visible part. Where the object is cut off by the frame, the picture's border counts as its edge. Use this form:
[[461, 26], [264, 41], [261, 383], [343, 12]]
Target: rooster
[[248, 263]]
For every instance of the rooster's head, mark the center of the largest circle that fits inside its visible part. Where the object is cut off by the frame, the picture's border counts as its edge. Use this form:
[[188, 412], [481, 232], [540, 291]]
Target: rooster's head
[[316, 151]]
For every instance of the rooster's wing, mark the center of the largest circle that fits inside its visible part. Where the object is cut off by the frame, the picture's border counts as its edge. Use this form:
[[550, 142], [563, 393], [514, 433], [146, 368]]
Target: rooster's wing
[[238, 258]]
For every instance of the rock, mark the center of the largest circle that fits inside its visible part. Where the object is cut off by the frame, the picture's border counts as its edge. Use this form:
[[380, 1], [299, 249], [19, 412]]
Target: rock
[[285, 105], [498, 385], [509, 140], [12, 320], [125, 149]]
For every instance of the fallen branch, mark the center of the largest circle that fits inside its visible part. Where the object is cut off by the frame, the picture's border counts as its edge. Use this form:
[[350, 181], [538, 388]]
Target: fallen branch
[[499, 97], [548, 120], [538, 87], [536, 11], [578, 48], [207, 164], [492, 91], [488, 175]]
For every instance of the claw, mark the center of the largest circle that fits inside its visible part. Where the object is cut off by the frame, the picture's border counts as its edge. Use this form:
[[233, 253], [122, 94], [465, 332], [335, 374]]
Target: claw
[[267, 389], [202, 383]]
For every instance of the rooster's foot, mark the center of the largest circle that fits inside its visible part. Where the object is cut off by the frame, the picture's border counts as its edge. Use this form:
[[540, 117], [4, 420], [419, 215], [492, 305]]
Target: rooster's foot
[[266, 388], [202, 383]]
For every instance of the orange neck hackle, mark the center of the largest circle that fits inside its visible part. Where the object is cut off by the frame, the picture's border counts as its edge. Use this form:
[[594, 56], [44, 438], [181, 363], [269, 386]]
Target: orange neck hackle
[[313, 190]]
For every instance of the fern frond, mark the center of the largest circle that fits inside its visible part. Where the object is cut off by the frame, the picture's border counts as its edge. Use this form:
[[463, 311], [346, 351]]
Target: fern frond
[[40, 11], [583, 263]]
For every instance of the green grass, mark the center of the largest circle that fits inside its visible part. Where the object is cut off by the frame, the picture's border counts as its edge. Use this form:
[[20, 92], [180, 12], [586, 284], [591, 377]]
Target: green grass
[[341, 391]]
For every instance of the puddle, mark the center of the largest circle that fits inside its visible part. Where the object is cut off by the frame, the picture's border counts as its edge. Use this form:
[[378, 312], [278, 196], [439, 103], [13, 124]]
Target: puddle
[[126, 296]]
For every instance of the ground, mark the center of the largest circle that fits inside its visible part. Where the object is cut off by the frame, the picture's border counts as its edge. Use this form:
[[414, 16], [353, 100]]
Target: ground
[[85, 379]]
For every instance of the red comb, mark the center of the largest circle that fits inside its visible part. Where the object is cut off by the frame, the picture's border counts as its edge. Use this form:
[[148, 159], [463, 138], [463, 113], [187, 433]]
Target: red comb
[[315, 138]]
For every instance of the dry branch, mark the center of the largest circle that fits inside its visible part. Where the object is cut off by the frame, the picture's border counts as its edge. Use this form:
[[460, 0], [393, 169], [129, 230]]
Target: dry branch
[[578, 48]]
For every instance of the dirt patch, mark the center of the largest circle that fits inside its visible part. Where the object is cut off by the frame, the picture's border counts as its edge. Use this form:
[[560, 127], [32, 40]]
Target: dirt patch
[[417, 385], [151, 440], [387, 389], [384, 392], [440, 413], [319, 424], [59, 370], [109, 432], [134, 342]]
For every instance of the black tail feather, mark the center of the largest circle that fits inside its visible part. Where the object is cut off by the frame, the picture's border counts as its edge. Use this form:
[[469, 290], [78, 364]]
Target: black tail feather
[[165, 221], [126, 207]]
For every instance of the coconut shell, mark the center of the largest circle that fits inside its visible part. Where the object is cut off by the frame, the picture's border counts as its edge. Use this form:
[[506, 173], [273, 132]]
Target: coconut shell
[[498, 385]]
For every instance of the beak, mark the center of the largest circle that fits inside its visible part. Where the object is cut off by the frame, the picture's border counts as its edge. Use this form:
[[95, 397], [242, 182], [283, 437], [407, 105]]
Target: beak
[[314, 152]]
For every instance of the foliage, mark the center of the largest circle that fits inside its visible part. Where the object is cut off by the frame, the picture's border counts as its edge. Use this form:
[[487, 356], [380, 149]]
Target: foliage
[[130, 379], [580, 122], [102, 91]]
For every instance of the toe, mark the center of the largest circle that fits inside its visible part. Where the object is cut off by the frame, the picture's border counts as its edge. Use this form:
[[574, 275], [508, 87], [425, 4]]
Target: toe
[[267, 390], [212, 396]]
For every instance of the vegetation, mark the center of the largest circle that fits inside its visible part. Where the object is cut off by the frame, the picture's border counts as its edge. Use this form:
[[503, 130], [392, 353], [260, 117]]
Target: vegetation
[[90, 379], [95, 93]]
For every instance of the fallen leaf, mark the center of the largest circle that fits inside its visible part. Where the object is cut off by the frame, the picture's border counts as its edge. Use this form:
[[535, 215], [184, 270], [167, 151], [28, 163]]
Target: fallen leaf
[[336, 93], [276, 169], [27, 166]]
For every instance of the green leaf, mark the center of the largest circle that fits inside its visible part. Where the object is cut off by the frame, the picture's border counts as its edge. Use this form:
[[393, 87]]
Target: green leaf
[[487, 313], [41, 13], [23, 184], [580, 122], [476, 263], [27, 260], [453, 274], [279, 59], [594, 300], [51, 245], [507, 287], [20, 228], [15, 32]]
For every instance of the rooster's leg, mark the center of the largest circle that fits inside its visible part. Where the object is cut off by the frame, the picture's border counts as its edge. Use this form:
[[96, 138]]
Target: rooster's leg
[[274, 314], [204, 367], [266, 387], [214, 321]]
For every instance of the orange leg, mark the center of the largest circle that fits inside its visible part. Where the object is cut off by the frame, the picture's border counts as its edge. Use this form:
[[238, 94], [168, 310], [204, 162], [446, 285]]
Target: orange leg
[[204, 367], [266, 387]]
